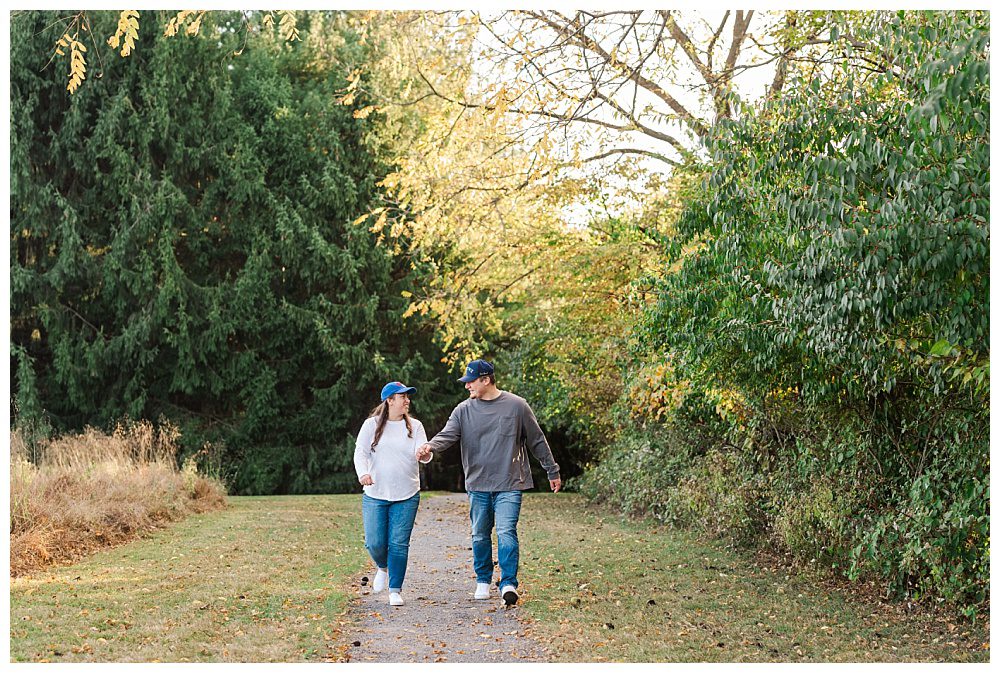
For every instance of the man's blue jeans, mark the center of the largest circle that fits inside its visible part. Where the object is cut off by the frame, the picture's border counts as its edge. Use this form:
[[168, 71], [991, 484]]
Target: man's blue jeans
[[502, 508], [387, 534]]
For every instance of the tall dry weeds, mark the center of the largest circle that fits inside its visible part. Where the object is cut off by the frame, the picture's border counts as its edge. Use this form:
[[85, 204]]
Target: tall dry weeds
[[88, 491]]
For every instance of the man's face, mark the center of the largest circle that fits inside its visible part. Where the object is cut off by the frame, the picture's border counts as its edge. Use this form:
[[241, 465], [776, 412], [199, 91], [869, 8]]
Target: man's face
[[477, 387]]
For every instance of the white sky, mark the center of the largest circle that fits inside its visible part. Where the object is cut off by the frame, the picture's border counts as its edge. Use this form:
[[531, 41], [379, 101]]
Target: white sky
[[587, 139]]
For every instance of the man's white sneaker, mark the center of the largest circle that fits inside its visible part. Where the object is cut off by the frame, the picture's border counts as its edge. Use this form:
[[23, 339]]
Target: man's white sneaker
[[395, 599], [482, 591], [509, 594], [381, 581]]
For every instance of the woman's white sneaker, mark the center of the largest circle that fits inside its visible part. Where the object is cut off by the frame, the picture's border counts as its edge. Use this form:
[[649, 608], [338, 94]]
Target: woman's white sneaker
[[482, 591], [381, 581], [395, 599]]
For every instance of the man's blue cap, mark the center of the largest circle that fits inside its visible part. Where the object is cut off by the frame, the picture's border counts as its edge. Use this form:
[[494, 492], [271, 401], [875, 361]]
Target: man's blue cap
[[394, 387], [476, 369]]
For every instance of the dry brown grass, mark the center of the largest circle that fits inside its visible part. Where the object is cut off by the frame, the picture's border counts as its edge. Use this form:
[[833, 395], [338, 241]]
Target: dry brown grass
[[77, 494]]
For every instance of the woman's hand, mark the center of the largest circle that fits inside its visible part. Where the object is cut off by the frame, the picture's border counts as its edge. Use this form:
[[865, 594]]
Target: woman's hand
[[366, 480], [424, 453]]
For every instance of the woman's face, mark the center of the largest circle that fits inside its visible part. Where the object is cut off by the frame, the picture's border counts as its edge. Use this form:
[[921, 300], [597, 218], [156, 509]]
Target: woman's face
[[399, 404]]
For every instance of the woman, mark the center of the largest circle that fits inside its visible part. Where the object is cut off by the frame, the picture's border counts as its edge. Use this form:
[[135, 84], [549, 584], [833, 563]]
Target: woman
[[385, 460]]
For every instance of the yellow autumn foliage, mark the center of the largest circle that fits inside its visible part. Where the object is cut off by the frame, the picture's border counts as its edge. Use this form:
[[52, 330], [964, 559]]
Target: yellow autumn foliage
[[730, 404], [77, 61], [656, 392], [127, 33], [176, 22], [287, 25]]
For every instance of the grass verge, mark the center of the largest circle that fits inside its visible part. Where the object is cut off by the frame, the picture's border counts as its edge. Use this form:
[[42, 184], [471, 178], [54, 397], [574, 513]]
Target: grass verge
[[73, 495], [600, 588], [263, 580]]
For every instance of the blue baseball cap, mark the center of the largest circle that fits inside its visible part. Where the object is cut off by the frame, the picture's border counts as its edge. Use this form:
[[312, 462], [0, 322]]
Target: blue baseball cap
[[394, 387], [475, 369]]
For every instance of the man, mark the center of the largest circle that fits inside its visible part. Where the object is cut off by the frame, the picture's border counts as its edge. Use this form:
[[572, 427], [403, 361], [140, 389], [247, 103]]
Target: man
[[496, 429]]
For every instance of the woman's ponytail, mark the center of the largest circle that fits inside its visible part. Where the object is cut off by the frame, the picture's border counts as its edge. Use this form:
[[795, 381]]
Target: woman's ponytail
[[382, 412]]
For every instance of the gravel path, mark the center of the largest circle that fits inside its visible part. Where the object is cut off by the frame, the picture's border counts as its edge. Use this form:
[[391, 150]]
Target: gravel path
[[440, 621]]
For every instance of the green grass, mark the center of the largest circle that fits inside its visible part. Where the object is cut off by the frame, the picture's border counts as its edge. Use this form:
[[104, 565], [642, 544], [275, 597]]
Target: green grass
[[602, 589], [268, 579], [264, 580]]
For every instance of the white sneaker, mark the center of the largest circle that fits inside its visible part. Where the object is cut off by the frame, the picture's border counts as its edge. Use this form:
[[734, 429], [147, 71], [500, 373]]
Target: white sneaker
[[509, 594], [395, 599], [381, 581], [482, 591]]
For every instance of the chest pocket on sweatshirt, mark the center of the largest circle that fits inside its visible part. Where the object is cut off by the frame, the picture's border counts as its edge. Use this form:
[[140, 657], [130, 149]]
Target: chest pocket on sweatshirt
[[507, 427]]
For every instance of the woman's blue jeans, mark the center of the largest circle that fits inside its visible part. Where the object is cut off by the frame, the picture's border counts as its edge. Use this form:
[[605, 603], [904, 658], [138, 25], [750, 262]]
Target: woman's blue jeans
[[502, 508], [388, 526]]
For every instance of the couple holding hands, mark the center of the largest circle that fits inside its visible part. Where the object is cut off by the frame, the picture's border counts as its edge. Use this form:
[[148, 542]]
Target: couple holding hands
[[495, 429]]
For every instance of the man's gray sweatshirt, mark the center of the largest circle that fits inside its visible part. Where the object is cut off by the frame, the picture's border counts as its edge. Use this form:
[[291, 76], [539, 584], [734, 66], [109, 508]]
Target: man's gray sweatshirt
[[495, 437]]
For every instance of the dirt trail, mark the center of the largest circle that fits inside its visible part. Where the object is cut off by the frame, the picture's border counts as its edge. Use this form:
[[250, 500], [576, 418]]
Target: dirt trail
[[440, 621]]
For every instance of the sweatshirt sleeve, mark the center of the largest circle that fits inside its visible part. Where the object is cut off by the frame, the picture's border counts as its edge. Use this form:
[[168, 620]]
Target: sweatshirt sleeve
[[420, 437], [534, 439], [450, 433], [363, 449]]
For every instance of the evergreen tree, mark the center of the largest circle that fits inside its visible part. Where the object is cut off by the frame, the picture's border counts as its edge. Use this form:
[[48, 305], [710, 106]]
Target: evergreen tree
[[185, 244]]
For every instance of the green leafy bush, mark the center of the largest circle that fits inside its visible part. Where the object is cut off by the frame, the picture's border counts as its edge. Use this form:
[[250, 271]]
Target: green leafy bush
[[934, 539], [639, 472], [829, 287], [817, 523]]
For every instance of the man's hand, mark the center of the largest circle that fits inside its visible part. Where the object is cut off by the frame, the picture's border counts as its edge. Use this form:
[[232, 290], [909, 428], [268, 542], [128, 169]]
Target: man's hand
[[366, 480], [423, 452], [555, 484]]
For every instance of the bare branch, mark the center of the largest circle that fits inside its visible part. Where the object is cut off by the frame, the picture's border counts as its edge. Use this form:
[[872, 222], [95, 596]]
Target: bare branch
[[715, 38], [687, 46], [574, 33], [740, 27], [634, 126], [781, 70], [631, 150]]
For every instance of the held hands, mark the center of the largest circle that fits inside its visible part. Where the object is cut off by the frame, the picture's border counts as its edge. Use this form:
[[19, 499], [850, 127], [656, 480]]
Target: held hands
[[423, 452], [555, 485], [366, 480]]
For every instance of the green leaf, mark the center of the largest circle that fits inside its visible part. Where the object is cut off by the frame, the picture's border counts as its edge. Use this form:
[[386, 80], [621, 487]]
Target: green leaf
[[941, 347]]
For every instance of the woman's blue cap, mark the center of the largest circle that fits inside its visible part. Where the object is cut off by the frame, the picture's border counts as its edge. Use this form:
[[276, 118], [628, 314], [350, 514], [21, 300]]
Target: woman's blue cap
[[391, 389]]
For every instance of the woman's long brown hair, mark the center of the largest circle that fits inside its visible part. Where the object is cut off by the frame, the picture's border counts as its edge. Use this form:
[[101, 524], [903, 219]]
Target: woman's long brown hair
[[382, 411]]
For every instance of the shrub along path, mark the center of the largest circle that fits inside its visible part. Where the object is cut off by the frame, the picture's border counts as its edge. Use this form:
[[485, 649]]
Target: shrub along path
[[278, 579]]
